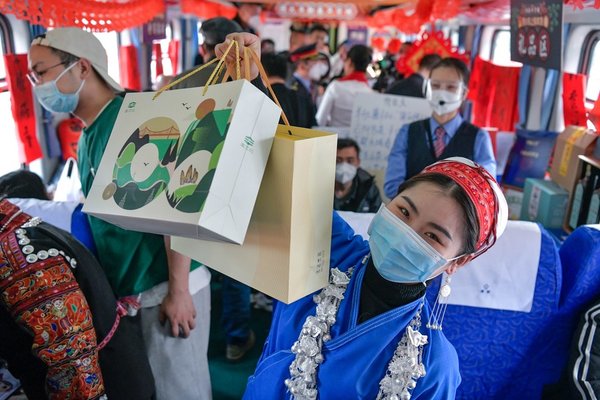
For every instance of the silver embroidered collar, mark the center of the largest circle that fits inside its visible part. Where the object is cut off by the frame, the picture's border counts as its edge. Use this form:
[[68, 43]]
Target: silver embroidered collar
[[403, 371]]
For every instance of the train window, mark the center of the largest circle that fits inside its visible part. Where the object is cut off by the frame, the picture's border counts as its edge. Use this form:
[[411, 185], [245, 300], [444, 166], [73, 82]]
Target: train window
[[10, 153], [593, 69], [500, 49], [164, 55], [110, 42]]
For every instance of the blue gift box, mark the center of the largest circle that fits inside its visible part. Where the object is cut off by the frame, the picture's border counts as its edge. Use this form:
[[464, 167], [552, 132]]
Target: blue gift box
[[544, 202]]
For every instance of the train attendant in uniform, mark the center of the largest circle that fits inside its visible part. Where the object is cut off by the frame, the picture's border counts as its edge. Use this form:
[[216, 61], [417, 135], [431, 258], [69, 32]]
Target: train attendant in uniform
[[445, 134]]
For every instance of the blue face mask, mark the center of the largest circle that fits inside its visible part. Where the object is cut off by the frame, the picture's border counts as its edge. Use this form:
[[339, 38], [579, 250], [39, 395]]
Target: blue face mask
[[399, 253], [53, 99]]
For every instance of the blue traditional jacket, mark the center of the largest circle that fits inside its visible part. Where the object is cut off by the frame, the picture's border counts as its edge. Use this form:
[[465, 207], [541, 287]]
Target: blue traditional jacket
[[357, 356]]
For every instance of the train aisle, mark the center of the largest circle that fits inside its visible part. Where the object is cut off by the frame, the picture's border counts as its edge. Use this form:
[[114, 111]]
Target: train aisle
[[229, 378]]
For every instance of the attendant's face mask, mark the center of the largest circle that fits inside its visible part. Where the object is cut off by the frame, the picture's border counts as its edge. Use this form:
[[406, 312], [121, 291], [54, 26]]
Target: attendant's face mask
[[317, 71], [53, 100], [399, 253], [345, 172], [444, 97]]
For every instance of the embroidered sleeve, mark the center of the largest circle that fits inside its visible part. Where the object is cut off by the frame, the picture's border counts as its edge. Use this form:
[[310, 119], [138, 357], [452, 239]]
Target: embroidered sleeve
[[39, 290]]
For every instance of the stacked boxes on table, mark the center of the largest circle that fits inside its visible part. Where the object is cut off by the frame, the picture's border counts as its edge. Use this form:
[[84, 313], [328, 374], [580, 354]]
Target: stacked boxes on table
[[544, 202], [576, 171]]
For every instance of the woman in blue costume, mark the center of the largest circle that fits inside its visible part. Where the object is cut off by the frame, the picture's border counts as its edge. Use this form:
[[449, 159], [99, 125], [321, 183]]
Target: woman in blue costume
[[371, 334]]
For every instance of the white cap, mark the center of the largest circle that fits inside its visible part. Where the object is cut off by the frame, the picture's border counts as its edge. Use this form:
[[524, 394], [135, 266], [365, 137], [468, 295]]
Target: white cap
[[82, 44]]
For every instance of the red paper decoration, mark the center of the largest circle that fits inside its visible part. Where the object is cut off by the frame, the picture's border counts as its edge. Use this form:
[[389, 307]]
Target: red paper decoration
[[22, 106], [95, 15], [493, 92], [429, 43], [574, 99], [129, 68], [208, 9]]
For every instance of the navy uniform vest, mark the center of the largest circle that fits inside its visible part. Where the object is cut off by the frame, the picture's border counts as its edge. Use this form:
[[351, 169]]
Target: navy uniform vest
[[421, 152]]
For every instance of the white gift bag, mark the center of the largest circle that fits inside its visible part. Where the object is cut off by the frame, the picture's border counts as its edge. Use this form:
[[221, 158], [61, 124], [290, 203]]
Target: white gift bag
[[68, 187], [186, 163]]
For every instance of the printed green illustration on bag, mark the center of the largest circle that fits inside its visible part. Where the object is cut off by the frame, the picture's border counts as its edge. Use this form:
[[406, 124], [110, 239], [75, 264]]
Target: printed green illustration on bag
[[157, 158]]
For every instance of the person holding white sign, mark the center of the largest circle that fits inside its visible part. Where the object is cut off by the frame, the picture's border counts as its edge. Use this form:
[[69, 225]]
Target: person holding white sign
[[445, 134]]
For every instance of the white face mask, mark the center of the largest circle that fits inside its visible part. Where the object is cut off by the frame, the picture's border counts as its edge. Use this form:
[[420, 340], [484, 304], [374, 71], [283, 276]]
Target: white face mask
[[254, 21], [345, 172], [444, 102], [317, 71]]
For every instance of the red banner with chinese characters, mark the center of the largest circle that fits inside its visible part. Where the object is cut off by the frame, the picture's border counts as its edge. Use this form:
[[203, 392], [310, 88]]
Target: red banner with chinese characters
[[480, 87], [69, 131], [574, 99], [493, 90], [129, 68], [22, 106], [503, 112]]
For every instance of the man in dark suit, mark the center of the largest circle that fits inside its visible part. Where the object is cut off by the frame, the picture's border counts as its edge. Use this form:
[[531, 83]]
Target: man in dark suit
[[296, 105], [214, 31], [413, 85]]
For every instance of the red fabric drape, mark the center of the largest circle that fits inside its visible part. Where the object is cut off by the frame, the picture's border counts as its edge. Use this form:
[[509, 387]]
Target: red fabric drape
[[22, 106], [107, 15], [503, 108], [574, 99], [129, 68], [69, 131], [493, 90], [174, 55], [157, 55]]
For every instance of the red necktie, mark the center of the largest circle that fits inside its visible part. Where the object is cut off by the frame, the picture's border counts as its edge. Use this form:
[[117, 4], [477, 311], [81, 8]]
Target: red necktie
[[439, 144]]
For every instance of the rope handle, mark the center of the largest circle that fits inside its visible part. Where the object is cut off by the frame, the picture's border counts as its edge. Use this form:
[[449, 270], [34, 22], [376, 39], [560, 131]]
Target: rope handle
[[212, 75], [212, 79], [265, 78]]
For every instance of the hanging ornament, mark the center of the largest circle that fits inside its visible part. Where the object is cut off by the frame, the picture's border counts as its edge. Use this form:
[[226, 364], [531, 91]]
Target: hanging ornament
[[95, 15]]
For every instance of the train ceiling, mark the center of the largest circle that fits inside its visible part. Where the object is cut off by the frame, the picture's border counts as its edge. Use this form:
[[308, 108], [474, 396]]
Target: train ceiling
[[116, 15]]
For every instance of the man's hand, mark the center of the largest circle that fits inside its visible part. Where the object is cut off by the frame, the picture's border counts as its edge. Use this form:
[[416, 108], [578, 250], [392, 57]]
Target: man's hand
[[179, 309], [244, 40], [178, 306]]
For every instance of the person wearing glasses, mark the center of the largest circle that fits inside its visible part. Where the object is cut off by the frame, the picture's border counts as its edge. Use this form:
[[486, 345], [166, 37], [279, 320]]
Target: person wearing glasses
[[69, 73], [445, 134]]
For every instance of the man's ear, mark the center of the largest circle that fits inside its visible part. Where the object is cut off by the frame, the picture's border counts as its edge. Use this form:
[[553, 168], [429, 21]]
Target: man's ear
[[465, 92], [85, 67]]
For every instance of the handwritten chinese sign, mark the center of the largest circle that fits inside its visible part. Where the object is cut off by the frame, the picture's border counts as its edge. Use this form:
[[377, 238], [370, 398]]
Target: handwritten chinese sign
[[574, 99], [376, 120], [536, 32], [22, 106]]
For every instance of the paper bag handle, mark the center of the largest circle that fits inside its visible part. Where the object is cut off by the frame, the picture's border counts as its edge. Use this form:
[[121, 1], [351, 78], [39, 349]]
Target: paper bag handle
[[265, 78], [213, 75]]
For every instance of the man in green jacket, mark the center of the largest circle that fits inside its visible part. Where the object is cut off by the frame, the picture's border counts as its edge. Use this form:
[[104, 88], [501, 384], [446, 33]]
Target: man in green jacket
[[69, 73]]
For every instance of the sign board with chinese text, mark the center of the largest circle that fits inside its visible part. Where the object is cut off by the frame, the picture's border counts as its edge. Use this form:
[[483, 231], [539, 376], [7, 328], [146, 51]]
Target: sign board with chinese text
[[377, 119], [156, 29], [536, 32]]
